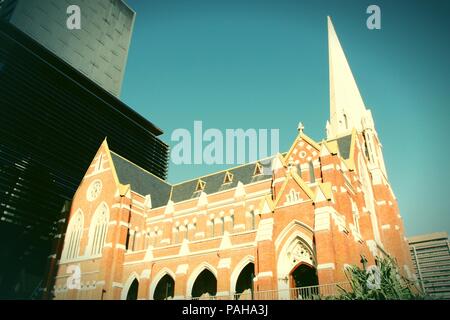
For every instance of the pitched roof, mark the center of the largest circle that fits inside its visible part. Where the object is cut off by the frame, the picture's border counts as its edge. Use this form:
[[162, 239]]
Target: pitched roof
[[142, 181], [215, 182]]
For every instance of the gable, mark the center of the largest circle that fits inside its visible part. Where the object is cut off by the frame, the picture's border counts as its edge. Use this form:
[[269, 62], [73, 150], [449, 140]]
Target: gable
[[141, 181], [303, 150], [294, 190]]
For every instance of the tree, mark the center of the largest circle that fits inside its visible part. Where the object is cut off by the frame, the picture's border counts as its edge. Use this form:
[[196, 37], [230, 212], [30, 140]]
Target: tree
[[383, 282]]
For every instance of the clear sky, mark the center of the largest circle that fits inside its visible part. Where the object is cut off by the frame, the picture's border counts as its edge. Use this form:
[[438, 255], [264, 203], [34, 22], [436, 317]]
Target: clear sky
[[264, 64]]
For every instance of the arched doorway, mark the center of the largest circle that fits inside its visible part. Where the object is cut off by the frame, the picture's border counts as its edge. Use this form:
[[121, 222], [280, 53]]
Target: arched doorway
[[297, 250], [132, 293], [304, 281], [165, 288], [205, 285], [244, 283]]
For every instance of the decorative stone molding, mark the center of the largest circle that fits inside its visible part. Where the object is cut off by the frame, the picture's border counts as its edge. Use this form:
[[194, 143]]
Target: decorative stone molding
[[322, 221], [226, 242], [170, 208], [145, 274], [202, 200], [224, 263], [240, 192], [184, 250], [323, 266], [182, 269], [265, 230]]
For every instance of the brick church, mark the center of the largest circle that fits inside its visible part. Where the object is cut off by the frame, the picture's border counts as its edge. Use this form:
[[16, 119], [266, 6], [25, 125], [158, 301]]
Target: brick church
[[294, 220]]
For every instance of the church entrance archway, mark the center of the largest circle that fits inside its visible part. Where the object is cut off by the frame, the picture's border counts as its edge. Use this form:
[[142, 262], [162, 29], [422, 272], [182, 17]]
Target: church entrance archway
[[205, 285], [165, 288], [304, 282], [244, 283], [132, 293], [296, 251]]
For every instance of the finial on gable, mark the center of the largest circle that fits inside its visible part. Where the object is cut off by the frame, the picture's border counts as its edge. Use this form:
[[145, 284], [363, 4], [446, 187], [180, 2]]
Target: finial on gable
[[300, 127]]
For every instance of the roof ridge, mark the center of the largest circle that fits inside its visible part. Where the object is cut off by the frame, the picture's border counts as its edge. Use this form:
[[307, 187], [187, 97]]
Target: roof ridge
[[224, 170]]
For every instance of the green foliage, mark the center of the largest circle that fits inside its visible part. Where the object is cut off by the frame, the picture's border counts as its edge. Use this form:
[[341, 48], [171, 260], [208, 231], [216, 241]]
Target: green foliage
[[388, 284]]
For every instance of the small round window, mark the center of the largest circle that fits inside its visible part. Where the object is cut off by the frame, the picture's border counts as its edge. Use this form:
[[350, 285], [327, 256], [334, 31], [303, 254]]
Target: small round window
[[94, 190]]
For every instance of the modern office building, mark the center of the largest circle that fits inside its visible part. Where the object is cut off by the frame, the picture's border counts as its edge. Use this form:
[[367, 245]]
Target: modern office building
[[431, 258], [53, 119], [99, 49]]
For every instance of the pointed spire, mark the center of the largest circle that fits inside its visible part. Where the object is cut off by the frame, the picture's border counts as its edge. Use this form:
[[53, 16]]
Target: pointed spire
[[346, 104]]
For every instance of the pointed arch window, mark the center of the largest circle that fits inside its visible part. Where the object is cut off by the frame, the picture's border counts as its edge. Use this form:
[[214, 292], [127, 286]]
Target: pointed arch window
[[293, 196], [312, 177], [186, 231], [176, 234], [98, 229], [299, 169], [213, 227], [222, 219], [253, 217], [366, 184], [133, 243], [99, 164], [232, 221], [345, 121], [73, 236]]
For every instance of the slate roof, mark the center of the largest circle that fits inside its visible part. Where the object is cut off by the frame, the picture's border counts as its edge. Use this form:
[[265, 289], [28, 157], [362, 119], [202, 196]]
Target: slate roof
[[214, 182], [344, 144], [142, 181], [145, 183]]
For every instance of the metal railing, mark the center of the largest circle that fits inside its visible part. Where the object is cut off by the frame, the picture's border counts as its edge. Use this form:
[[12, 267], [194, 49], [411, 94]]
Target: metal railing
[[303, 293]]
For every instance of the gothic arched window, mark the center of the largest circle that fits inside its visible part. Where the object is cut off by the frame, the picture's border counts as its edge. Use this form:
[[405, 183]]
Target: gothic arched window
[[366, 183], [73, 236], [222, 219], [312, 177], [253, 217], [213, 228], [98, 229]]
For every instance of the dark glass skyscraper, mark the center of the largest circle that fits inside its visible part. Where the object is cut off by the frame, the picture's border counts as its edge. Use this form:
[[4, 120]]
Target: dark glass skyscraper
[[53, 119]]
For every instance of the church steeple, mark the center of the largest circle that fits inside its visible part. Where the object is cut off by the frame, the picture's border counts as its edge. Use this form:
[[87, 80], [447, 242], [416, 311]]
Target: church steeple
[[347, 108]]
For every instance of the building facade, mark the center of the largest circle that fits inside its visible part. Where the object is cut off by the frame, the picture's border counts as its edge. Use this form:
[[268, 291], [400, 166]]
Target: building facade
[[99, 50], [50, 131], [431, 258], [294, 220]]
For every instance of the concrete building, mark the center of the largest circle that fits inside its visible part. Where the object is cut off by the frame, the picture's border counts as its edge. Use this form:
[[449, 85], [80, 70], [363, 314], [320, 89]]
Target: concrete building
[[99, 49], [278, 228], [431, 258]]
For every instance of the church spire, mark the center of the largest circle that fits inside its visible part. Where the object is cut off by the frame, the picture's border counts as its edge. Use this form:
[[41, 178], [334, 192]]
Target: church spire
[[347, 108]]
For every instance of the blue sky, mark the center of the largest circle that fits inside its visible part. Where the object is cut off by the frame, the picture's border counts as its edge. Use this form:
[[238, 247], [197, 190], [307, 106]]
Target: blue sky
[[264, 64]]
